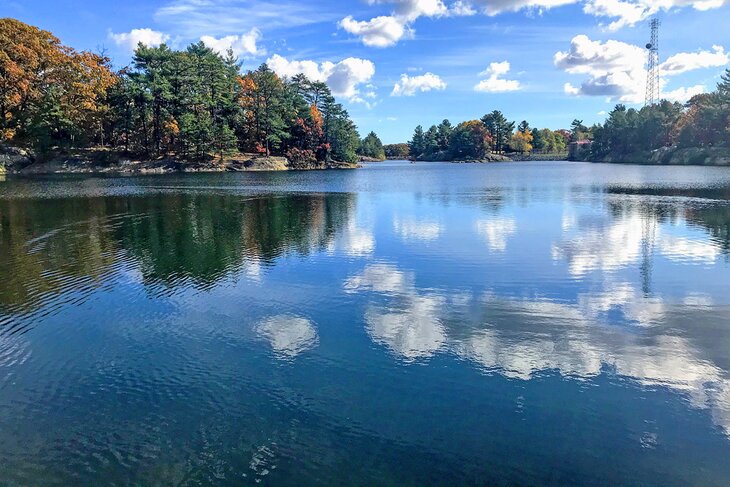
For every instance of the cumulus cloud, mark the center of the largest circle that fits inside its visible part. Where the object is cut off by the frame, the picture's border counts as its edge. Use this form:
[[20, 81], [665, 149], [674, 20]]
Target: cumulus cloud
[[387, 30], [146, 36], [241, 45], [343, 78], [495, 7], [495, 84], [408, 86], [631, 12], [616, 70], [381, 31], [683, 94], [688, 61]]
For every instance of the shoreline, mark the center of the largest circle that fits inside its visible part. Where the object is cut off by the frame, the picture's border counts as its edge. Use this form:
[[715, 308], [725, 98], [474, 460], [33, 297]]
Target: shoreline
[[15, 161]]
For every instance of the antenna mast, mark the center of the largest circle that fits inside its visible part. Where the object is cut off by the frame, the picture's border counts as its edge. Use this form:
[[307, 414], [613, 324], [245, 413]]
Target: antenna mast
[[652, 72]]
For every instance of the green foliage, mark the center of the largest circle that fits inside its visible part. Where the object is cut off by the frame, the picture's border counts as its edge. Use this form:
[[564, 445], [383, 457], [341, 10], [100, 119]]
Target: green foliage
[[443, 135], [499, 128], [470, 140], [194, 103], [371, 146], [417, 144], [397, 151]]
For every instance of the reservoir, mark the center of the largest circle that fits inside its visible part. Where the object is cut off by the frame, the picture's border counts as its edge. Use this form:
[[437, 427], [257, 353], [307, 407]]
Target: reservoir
[[543, 323]]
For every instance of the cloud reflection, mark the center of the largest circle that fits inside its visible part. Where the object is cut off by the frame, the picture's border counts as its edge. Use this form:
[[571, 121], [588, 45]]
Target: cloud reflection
[[617, 328], [288, 335], [410, 229], [607, 246], [496, 231]]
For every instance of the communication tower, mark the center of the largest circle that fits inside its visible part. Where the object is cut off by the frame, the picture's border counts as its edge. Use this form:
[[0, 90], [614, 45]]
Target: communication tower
[[652, 72]]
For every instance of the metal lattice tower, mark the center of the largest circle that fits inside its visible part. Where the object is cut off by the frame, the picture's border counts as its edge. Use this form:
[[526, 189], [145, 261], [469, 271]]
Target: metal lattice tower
[[652, 72]]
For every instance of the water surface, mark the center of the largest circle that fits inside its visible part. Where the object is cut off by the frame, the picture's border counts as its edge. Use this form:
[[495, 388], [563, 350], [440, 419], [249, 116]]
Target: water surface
[[427, 324]]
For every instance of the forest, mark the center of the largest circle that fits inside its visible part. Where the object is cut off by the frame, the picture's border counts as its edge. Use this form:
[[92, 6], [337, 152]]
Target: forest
[[193, 104], [477, 139], [702, 123], [627, 134]]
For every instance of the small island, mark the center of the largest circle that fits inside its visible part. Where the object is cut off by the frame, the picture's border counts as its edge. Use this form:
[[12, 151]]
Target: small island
[[62, 110]]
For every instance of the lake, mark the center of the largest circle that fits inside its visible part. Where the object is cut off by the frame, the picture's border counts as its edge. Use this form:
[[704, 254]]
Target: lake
[[545, 323]]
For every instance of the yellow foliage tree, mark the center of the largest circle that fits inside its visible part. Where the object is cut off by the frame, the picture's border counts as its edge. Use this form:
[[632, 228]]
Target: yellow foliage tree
[[522, 141], [34, 64]]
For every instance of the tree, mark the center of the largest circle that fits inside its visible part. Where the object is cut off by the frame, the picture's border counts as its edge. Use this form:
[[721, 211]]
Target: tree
[[397, 151], [578, 131], [539, 141], [49, 93], [430, 140], [470, 140], [499, 128], [418, 143], [372, 147], [443, 136], [522, 141], [265, 109]]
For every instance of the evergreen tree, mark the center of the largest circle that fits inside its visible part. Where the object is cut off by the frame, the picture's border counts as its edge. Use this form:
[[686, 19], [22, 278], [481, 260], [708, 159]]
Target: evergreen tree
[[371, 146], [417, 143], [443, 137], [499, 128]]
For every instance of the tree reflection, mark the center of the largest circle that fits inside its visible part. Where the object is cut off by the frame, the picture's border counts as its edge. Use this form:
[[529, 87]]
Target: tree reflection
[[182, 239]]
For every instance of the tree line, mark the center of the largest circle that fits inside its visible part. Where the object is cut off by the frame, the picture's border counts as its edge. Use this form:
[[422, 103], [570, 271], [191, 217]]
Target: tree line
[[476, 139], [194, 103], [703, 122]]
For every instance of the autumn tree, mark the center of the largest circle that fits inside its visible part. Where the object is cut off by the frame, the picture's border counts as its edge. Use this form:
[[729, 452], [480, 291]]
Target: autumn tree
[[49, 93], [470, 140], [522, 140]]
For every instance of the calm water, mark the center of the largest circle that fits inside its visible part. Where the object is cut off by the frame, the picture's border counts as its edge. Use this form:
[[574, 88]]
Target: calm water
[[428, 324]]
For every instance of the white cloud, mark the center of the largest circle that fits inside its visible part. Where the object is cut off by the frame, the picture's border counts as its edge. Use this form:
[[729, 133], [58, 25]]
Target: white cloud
[[688, 61], [408, 86], [495, 84], [343, 78], [631, 12], [382, 31], [242, 45], [683, 94], [146, 36], [387, 30], [495, 7], [616, 70]]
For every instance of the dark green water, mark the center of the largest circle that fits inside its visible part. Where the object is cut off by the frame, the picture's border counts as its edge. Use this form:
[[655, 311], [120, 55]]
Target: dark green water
[[428, 324]]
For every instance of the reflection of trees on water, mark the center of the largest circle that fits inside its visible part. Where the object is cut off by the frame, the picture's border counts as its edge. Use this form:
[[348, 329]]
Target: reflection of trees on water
[[713, 216], [63, 245]]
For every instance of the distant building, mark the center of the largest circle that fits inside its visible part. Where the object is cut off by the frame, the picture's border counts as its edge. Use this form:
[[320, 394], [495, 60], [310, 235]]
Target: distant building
[[579, 150]]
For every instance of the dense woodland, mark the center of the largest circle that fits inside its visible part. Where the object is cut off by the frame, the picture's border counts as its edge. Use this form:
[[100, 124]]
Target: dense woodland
[[703, 122], [193, 103], [476, 139]]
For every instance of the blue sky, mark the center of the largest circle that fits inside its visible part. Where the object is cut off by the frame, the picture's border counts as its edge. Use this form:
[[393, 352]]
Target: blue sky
[[398, 63]]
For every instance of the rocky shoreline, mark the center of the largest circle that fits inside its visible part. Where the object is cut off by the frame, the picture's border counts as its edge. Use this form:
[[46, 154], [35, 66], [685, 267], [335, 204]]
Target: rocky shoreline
[[672, 156], [98, 161]]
